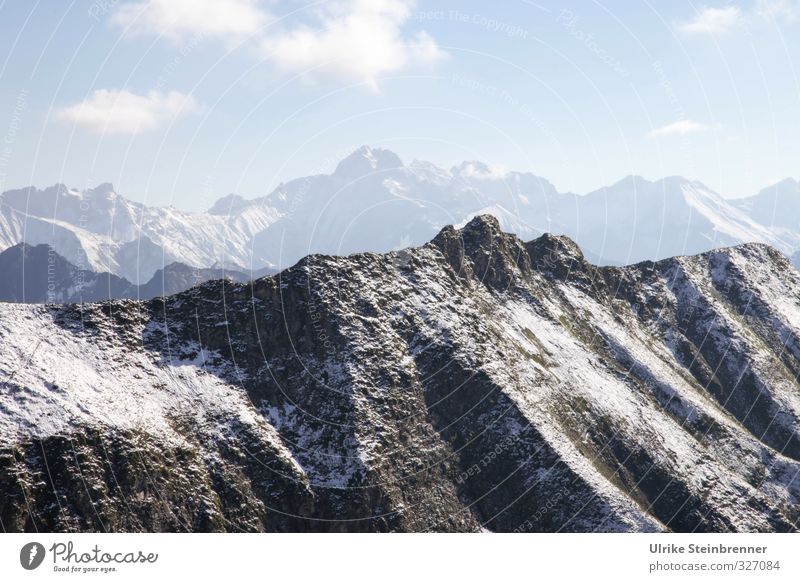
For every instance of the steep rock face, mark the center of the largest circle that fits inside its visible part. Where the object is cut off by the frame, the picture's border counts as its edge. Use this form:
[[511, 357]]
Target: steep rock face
[[474, 382]]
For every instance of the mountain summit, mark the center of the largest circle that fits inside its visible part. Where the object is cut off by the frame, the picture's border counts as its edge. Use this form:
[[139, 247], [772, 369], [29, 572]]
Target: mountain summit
[[374, 202], [366, 160], [476, 382]]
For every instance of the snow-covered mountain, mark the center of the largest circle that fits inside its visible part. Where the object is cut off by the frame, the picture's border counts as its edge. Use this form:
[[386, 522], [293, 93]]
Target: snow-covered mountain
[[777, 207], [635, 220], [102, 231], [474, 383], [40, 275], [375, 202]]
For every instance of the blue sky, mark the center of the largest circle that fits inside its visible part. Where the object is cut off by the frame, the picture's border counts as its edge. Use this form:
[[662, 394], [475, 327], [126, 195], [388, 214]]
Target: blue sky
[[183, 101]]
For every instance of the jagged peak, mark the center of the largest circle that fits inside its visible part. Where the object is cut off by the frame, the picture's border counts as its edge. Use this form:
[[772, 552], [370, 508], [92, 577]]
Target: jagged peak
[[630, 180], [637, 181], [479, 170], [102, 189], [671, 187], [227, 204], [366, 160], [786, 186], [557, 255], [470, 166], [24, 248], [102, 193], [494, 258], [788, 181], [484, 224], [481, 230], [755, 251], [558, 243], [425, 165], [57, 188]]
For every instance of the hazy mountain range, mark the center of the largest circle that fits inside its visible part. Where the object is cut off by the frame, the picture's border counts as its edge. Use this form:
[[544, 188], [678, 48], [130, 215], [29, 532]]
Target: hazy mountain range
[[375, 202], [474, 383], [40, 275]]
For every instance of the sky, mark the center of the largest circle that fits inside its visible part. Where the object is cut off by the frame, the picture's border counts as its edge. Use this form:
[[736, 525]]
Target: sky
[[180, 102]]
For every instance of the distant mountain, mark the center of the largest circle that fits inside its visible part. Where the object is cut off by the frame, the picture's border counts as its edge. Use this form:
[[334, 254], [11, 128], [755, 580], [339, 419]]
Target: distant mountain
[[474, 383], [374, 202], [101, 231], [40, 275], [636, 220], [230, 204], [777, 207]]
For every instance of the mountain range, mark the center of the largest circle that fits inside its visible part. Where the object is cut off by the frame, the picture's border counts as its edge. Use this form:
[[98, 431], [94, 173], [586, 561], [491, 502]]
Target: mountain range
[[40, 275], [375, 202], [474, 383]]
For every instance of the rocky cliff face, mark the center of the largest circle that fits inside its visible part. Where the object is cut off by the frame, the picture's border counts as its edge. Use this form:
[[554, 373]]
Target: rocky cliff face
[[476, 382]]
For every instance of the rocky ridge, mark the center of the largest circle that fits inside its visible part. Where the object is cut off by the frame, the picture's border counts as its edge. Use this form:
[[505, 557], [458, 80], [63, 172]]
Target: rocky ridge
[[473, 383]]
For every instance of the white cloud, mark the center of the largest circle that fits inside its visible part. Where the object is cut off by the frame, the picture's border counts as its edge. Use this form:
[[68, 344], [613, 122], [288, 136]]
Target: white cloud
[[678, 128], [345, 40], [177, 20], [713, 21], [352, 40], [778, 9], [122, 112]]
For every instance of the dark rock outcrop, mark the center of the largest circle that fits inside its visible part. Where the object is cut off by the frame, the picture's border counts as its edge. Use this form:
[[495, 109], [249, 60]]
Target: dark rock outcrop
[[474, 382]]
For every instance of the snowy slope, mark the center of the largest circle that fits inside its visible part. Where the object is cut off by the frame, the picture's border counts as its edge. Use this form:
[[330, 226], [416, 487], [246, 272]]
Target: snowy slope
[[102, 231], [777, 207], [635, 220], [475, 382]]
